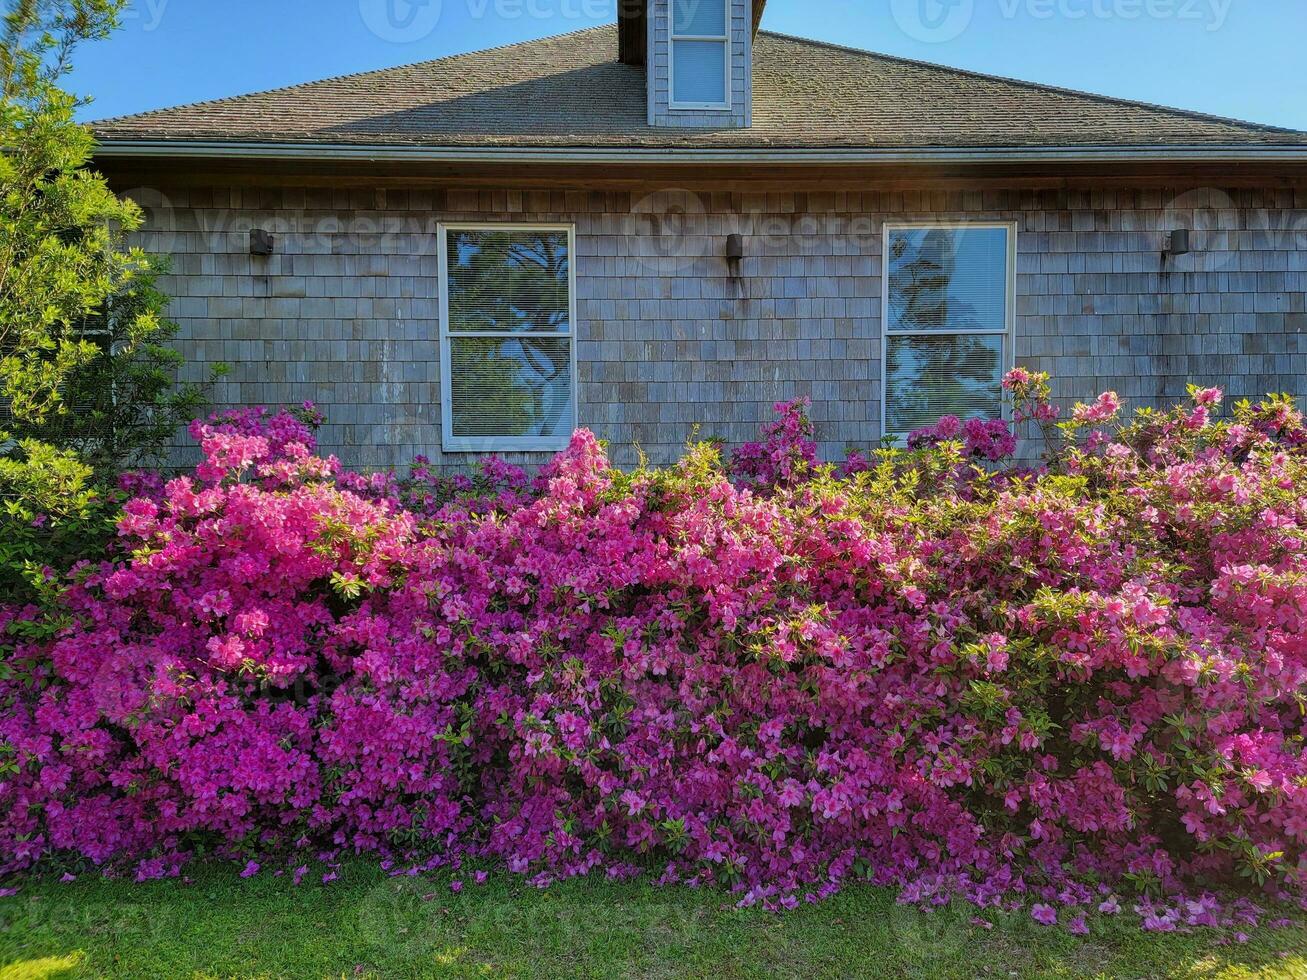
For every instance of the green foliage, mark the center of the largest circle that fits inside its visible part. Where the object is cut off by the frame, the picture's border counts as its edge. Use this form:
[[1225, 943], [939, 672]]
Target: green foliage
[[120, 408], [86, 378], [61, 226], [50, 517]]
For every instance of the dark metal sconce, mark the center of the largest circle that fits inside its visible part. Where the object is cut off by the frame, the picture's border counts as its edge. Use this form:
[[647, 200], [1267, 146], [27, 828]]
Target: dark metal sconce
[[261, 242], [734, 252], [1177, 243]]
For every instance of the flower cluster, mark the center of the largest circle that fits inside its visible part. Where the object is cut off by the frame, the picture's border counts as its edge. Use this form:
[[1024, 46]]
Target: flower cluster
[[989, 440], [1083, 686], [785, 456]]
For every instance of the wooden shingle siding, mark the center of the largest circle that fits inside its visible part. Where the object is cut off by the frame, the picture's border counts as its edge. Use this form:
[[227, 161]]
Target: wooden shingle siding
[[346, 312]]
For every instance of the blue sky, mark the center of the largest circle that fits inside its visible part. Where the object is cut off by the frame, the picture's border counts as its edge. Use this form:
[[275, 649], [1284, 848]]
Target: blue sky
[[1241, 58]]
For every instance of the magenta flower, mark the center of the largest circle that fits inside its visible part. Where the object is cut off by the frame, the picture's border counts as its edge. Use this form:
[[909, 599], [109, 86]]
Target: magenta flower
[[1103, 410], [954, 675]]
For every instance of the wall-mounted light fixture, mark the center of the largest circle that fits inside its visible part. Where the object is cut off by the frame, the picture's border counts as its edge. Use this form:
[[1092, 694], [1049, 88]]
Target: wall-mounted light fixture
[[1177, 243], [261, 241], [734, 252]]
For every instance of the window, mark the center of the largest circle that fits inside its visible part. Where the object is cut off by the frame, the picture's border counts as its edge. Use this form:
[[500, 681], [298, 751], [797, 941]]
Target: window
[[949, 299], [507, 337], [701, 54]]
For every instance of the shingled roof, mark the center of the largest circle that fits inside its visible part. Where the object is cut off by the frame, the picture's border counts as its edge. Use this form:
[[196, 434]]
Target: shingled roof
[[571, 91]]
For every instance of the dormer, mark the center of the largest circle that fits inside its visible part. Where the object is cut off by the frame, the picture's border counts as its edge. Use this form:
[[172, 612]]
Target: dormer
[[698, 56]]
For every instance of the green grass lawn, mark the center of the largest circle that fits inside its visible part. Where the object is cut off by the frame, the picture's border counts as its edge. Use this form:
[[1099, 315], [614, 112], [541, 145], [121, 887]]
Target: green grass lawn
[[368, 925]]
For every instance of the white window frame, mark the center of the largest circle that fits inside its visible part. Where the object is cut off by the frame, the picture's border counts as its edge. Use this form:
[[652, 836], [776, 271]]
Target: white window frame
[[493, 444], [1008, 333], [724, 39]]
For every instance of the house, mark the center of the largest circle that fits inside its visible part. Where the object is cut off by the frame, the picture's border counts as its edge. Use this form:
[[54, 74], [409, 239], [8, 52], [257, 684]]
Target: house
[[660, 228]]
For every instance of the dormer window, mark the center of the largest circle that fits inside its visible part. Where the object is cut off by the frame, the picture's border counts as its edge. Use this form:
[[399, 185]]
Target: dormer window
[[701, 54]]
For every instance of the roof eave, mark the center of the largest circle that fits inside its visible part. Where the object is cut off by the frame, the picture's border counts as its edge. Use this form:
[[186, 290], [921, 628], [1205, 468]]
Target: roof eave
[[235, 149]]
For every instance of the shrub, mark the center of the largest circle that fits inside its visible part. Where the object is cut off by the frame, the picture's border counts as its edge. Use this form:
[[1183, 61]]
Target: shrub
[[86, 379], [1055, 683], [51, 517]]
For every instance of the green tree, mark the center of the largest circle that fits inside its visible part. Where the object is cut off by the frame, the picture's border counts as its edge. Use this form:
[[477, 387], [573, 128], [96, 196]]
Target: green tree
[[86, 378], [120, 409], [61, 246]]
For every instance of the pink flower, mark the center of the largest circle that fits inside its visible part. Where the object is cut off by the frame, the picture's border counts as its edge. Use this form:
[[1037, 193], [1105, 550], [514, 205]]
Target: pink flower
[[1259, 779], [948, 427], [1015, 377], [1103, 410], [960, 677]]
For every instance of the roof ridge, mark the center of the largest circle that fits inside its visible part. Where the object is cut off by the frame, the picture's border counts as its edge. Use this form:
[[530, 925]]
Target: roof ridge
[[201, 103], [1042, 86]]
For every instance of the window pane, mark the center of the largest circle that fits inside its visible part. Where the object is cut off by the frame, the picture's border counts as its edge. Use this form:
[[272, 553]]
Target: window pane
[[699, 72], [700, 18], [930, 377], [511, 387], [948, 278], [508, 280]]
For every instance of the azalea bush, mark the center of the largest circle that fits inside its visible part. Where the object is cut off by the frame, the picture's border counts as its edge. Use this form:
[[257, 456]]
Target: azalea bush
[[1076, 685]]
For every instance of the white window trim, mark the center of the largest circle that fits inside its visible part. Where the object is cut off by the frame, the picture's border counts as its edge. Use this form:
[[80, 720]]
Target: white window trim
[[1008, 333], [495, 444], [673, 37]]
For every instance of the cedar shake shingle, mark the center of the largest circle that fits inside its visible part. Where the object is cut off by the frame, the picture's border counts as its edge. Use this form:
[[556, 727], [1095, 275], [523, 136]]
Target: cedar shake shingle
[[571, 91]]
